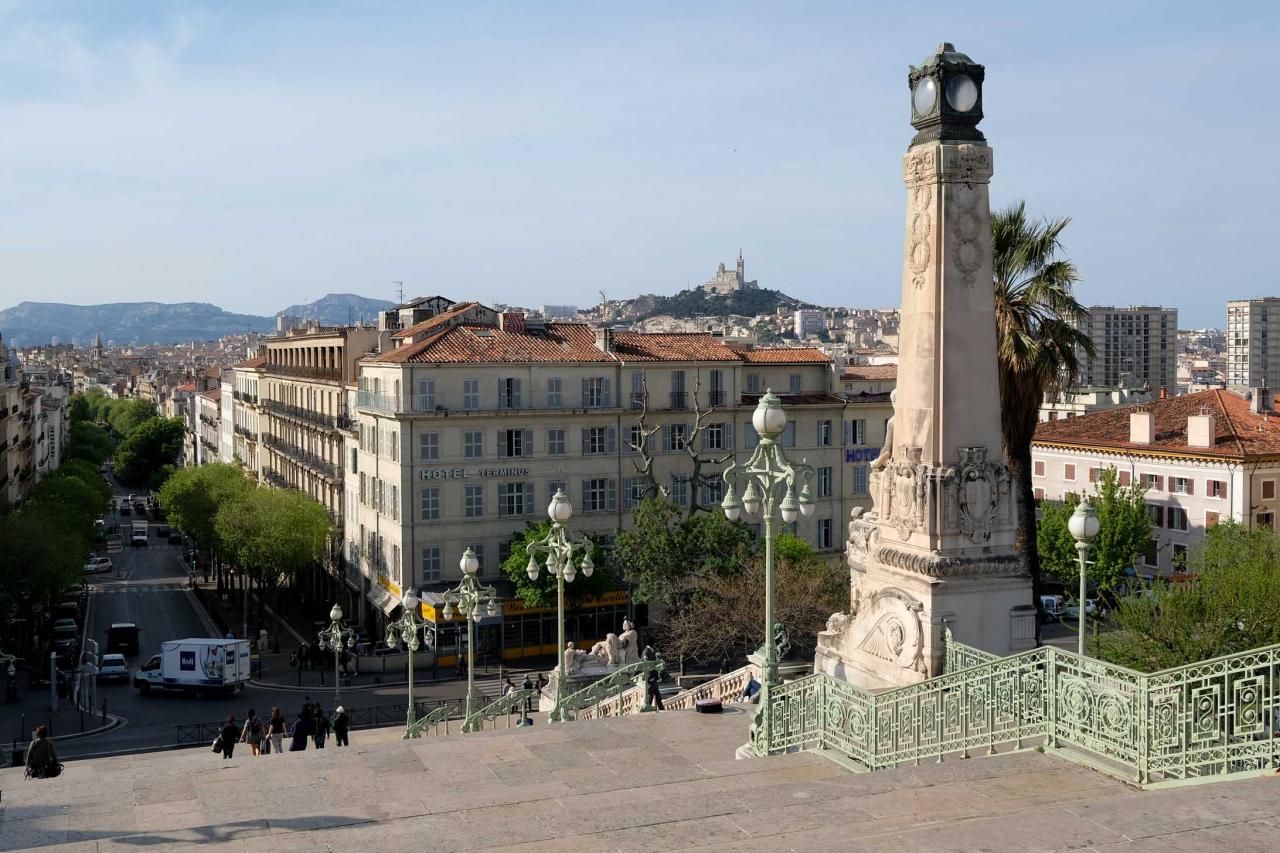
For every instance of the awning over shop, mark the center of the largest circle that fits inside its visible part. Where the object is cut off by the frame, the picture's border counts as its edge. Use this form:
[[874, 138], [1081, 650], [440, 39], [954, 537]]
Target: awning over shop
[[382, 598]]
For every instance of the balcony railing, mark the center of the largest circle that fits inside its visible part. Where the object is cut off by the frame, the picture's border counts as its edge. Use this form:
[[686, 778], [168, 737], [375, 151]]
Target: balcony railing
[[328, 374], [305, 458], [715, 397], [245, 397], [245, 432], [298, 413], [213, 422], [637, 400], [276, 479], [372, 402], [678, 400]]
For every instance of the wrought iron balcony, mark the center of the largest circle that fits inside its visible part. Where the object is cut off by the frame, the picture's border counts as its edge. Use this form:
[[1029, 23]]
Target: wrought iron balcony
[[300, 414], [327, 374], [678, 400], [715, 397], [305, 458]]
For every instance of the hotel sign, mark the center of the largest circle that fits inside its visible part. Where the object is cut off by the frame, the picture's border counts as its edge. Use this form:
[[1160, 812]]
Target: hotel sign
[[463, 473], [861, 454]]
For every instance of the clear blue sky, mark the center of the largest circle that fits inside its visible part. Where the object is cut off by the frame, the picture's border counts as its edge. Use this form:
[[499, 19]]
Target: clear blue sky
[[258, 154]]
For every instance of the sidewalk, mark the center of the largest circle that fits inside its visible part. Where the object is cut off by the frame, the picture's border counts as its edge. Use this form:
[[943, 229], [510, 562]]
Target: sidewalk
[[385, 671]]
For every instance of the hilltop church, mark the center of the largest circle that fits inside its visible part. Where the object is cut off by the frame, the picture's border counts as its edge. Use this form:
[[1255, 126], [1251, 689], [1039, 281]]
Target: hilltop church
[[726, 282]]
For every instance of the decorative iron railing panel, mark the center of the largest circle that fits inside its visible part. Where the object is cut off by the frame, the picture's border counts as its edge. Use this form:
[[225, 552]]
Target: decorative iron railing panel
[[847, 713], [960, 656], [1098, 706], [795, 713]]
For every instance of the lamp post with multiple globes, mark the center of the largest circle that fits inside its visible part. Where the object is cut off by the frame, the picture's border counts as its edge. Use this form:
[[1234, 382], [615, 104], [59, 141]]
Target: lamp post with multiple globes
[[468, 596], [335, 638], [406, 630], [560, 551]]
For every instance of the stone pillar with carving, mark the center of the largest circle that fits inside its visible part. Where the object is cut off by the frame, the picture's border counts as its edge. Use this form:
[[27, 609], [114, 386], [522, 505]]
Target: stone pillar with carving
[[939, 543]]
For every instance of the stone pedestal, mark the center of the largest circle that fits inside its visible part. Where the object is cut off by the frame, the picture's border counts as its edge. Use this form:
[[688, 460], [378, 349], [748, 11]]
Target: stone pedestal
[[938, 546]]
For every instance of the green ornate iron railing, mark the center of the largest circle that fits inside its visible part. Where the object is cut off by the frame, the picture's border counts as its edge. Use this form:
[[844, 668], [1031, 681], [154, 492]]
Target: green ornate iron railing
[[603, 689], [432, 721], [1215, 719], [502, 706], [960, 656]]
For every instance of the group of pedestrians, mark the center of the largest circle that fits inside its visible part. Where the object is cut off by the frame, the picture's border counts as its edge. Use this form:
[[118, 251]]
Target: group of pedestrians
[[311, 724]]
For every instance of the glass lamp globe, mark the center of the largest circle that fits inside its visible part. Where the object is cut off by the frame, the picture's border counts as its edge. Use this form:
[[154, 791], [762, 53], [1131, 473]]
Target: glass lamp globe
[[411, 603], [1083, 524], [751, 499], [790, 509], [569, 571], [393, 642], [560, 510], [448, 610], [492, 609], [532, 569], [924, 96], [588, 566], [335, 614], [806, 500], [469, 564], [962, 93], [768, 418], [731, 504]]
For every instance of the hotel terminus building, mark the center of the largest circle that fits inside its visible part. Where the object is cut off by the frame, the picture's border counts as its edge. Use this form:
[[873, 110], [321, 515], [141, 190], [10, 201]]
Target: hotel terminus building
[[464, 422]]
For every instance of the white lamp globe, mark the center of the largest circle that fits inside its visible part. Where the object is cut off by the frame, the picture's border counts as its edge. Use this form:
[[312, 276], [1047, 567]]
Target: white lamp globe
[[1083, 524], [532, 569], [768, 418], [806, 501], [335, 615], [588, 566], [448, 610], [790, 509], [569, 572], [751, 499], [560, 510], [469, 564], [410, 602]]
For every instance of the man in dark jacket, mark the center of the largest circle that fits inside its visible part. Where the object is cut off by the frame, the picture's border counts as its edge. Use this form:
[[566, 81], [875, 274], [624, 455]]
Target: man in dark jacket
[[341, 726], [301, 730], [229, 735], [320, 725], [42, 758]]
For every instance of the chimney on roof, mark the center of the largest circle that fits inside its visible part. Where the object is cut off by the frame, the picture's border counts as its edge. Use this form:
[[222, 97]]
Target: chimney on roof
[[1201, 431], [1142, 427], [511, 321], [1258, 400], [604, 339]]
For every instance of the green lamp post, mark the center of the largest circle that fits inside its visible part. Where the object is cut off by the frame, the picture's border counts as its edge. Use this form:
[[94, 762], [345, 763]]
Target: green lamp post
[[406, 630], [560, 551], [468, 596], [335, 638]]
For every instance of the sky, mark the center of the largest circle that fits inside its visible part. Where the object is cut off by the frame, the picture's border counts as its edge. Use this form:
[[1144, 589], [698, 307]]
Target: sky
[[258, 154]]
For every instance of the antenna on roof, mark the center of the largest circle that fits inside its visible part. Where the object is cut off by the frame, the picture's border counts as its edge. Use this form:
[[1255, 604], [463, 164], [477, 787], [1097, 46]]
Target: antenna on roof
[[399, 291]]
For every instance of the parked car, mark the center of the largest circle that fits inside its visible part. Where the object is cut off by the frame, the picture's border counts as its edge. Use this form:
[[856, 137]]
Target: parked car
[[98, 565], [65, 629], [122, 637], [68, 608], [163, 531], [113, 667], [1091, 608], [1052, 607]]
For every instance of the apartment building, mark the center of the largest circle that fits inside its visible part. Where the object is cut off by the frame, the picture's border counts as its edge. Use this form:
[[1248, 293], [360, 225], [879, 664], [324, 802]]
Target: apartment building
[[809, 321], [207, 423], [12, 430], [1203, 457], [303, 398], [473, 420], [1084, 400], [1133, 346], [33, 428], [1253, 343], [243, 417]]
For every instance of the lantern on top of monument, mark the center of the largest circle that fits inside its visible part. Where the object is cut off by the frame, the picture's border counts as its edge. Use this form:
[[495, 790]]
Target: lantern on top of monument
[[946, 97]]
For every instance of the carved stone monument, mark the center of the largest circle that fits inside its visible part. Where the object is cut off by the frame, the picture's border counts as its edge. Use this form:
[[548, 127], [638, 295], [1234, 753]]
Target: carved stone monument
[[938, 546]]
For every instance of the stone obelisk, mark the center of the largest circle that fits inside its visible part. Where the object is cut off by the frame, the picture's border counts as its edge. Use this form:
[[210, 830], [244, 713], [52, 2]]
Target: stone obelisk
[[937, 549]]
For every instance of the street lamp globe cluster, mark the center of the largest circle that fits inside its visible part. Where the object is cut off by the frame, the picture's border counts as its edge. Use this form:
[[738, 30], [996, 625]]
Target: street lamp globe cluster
[[470, 598], [559, 553], [407, 630], [1083, 527], [335, 638], [775, 486]]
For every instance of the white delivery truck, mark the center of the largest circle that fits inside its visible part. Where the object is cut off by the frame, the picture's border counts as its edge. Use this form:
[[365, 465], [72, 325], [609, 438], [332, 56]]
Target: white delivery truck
[[199, 665], [141, 534]]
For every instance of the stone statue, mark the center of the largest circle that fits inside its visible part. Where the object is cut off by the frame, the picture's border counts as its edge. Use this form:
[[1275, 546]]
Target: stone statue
[[606, 651], [886, 452], [781, 641], [573, 657], [628, 644]]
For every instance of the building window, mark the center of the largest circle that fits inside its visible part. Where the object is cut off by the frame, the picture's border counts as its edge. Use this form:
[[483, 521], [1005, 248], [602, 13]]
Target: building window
[[429, 446], [473, 444], [1218, 488], [599, 440], [595, 393], [1176, 518], [1266, 519], [1268, 490], [716, 437], [715, 397], [677, 437], [431, 564], [634, 490], [471, 394], [426, 401], [1151, 556], [824, 482], [1153, 482], [555, 442], [509, 394], [824, 433], [794, 383], [515, 443], [554, 486], [1069, 471], [1095, 474], [599, 495], [712, 490], [679, 490], [635, 438], [637, 389], [789, 435], [1180, 485], [859, 479], [1037, 468], [824, 533], [1156, 512], [1038, 494], [515, 499], [1179, 556], [555, 394], [430, 503], [473, 502], [753, 383], [855, 432]]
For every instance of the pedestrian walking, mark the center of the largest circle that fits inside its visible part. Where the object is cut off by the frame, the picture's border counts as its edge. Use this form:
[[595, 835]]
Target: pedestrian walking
[[653, 695], [341, 726], [508, 686], [252, 733], [42, 758], [230, 733], [320, 724], [275, 729], [301, 730]]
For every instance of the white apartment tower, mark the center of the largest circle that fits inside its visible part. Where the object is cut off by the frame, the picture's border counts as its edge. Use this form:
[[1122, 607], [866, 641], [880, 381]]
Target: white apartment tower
[[1132, 346], [1253, 343]]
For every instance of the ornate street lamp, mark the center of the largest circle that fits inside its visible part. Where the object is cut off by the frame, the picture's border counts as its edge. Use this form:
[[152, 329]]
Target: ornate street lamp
[[1083, 526], [560, 552], [336, 637], [468, 596], [406, 629]]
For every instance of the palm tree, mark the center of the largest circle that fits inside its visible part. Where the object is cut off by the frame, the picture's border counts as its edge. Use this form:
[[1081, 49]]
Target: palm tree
[[1037, 345]]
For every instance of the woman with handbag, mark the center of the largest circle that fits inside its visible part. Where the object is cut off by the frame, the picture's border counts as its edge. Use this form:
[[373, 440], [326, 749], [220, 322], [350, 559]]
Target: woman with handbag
[[42, 758]]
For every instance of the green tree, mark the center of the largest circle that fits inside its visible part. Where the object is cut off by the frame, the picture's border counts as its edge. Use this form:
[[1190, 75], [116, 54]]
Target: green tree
[[793, 549], [542, 591], [89, 442], [664, 553], [39, 555], [149, 447], [1124, 529], [1036, 344], [78, 409], [126, 416], [1229, 606], [192, 497]]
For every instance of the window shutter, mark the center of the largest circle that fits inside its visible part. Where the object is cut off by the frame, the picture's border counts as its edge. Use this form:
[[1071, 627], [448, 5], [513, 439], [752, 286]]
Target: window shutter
[[848, 430], [611, 495], [789, 435], [1124, 478], [502, 445], [1093, 475], [586, 490], [706, 442], [1159, 482], [586, 392], [503, 403], [586, 441], [528, 498], [728, 435], [1191, 486], [515, 394], [753, 437], [527, 447], [611, 440], [666, 437], [608, 393]]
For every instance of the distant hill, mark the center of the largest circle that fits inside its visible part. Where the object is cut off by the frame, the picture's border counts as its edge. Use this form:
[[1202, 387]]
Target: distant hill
[[339, 309], [32, 323], [697, 303]]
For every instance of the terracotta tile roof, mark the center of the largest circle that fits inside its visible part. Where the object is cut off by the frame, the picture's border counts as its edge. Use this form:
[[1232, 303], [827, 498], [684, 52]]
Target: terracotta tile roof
[[253, 362], [212, 394], [491, 345], [431, 322], [870, 372], [685, 346], [1240, 433], [785, 355], [186, 386]]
